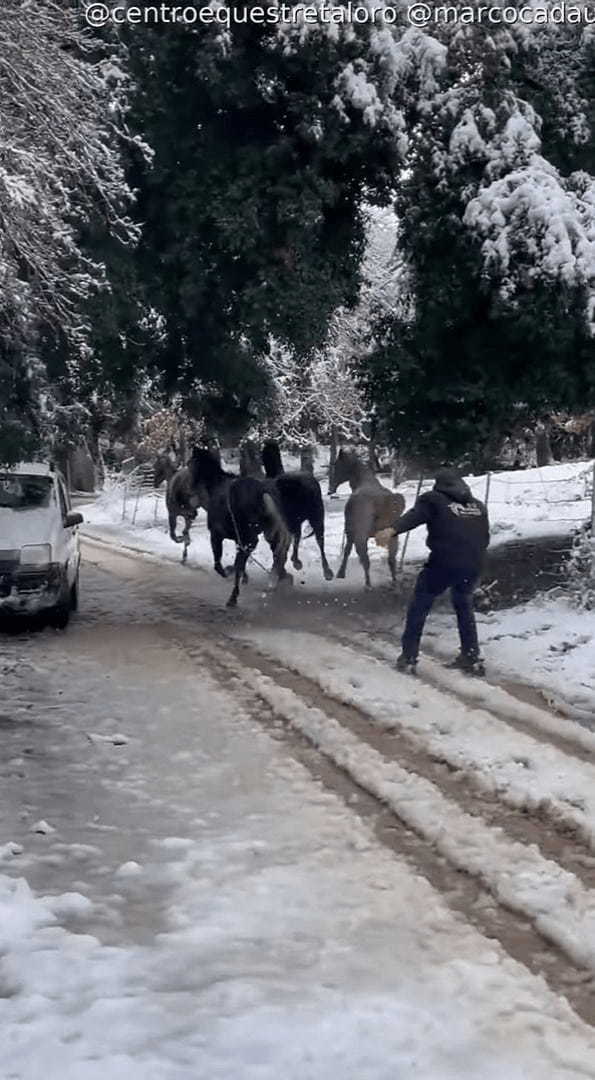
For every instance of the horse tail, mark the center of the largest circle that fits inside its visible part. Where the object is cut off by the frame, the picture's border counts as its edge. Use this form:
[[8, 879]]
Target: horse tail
[[398, 503], [344, 538], [315, 508], [282, 535]]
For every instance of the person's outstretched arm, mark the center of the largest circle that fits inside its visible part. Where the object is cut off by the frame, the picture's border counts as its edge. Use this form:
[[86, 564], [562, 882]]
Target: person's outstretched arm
[[418, 515]]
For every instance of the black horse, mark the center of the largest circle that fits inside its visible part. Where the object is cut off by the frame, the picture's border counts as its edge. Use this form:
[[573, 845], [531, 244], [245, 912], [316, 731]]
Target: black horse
[[240, 508], [301, 500]]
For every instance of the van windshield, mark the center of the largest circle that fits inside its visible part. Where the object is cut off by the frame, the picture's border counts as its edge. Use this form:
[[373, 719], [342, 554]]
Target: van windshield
[[22, 492]]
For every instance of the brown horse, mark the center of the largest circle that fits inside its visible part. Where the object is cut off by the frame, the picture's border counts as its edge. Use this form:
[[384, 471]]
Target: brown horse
[[370, 508], [182, 498]]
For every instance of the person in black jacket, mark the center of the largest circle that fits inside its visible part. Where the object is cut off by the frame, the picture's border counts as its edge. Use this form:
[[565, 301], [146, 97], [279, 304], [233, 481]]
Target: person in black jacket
[[458, 536]]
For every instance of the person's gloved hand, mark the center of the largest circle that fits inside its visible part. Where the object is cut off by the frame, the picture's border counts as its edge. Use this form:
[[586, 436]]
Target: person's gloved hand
[[384, 537]]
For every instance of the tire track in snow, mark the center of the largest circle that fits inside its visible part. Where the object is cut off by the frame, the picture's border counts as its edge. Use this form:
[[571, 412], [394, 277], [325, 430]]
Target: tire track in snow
[[566, 734], [520, 774], [506, 889]]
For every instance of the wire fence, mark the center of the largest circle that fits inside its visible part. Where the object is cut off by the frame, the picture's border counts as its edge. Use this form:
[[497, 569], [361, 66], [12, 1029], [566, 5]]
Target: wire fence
[[135, 484], [483, 488]]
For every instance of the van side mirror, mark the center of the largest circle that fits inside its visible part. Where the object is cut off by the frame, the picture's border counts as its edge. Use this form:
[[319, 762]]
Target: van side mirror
[[72, 519]]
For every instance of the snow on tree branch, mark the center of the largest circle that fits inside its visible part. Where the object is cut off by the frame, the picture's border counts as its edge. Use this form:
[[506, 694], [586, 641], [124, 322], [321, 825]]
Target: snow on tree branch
[[62, 102], [313, 397], [323, 395]]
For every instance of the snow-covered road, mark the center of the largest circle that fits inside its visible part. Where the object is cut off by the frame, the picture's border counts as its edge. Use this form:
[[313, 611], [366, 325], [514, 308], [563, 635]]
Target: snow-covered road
[[243, 847]]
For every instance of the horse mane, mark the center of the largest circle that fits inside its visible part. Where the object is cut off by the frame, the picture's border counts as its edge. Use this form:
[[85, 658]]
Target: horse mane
[[205, 468], [271, 459]]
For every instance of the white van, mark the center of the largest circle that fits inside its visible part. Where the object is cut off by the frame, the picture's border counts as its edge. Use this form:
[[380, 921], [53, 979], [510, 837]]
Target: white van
[[39, 543]]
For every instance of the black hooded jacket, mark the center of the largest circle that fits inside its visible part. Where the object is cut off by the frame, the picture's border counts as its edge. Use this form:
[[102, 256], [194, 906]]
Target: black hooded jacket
[[458, 527]]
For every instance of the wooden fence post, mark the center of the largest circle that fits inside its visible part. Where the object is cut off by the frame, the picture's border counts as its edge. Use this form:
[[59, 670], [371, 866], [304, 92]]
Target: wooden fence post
[[487, 494]]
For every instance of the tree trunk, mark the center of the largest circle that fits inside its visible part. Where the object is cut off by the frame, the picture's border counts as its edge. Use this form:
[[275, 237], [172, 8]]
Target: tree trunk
[[307, 459], [80, 469], [96, 453], [332, 461], [400, 471], [250, 464], [373, 461], [182, 449], [543, 448]]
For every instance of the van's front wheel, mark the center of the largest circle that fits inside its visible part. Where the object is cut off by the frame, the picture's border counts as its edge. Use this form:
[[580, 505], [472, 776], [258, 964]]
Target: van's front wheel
[[59, 616]]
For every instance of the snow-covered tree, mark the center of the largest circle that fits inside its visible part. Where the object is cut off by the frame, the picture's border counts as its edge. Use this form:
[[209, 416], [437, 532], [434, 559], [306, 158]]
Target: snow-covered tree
[[267, 140], [496, 230], [62, 107], [315, 399]]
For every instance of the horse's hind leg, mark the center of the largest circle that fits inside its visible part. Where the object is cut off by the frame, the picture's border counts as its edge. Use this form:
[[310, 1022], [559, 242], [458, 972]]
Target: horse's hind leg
[[240, 566], [346, 554], [186, 539], [361, 546], [393, 547], [173, 521], [318, 530], [297, 536]]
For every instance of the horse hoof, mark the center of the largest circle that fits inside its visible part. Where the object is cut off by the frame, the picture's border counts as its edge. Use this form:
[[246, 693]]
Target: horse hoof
[[328, 574], [340, 575], [232, 602], [245, 579], [297, 564]]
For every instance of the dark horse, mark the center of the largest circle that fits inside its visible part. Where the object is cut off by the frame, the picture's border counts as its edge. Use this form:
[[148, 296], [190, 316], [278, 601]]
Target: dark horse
[[301, 500], [369, 509], [240, 508], [182, 499]]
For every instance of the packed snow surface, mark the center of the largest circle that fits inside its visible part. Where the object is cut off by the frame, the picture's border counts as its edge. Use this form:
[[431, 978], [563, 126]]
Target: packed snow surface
[[209, 909]]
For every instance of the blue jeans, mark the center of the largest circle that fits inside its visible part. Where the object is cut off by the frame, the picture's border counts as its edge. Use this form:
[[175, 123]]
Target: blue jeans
[[432, 581]]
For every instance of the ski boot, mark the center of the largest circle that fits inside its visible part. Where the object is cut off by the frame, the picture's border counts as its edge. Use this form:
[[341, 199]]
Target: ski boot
[[469, 665], [406, 665]]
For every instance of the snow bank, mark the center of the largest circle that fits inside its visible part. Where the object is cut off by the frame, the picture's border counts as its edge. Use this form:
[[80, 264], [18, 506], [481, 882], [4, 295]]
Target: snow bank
[[547, 644]]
